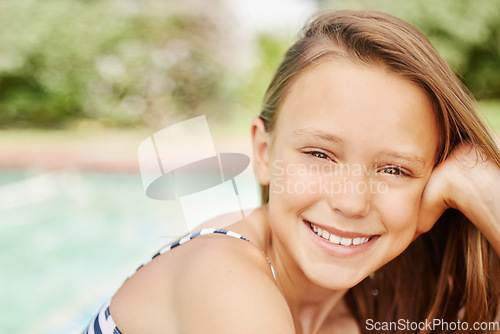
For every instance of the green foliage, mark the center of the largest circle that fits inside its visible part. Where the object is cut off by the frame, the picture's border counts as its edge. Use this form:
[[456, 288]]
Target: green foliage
[[128, 62], [119, 62], [270, 51], [490, 110], [465, 32]]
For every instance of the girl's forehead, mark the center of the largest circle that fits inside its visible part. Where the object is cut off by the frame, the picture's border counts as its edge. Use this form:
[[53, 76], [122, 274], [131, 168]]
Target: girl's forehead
[[360, 103], [347, 85]]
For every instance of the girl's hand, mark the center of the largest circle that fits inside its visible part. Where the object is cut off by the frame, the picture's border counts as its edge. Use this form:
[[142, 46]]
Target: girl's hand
[[468, 182]]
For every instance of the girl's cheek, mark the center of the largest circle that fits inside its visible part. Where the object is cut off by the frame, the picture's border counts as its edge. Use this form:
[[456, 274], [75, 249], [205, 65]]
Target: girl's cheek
[[292, 177], [294, 187], [398, 209]]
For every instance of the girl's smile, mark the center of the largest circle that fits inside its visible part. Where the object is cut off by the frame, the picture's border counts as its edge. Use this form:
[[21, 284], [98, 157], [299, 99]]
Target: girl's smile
[[340, 243]]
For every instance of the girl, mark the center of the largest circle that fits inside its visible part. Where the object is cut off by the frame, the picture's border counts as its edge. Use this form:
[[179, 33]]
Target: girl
[[381, 204]]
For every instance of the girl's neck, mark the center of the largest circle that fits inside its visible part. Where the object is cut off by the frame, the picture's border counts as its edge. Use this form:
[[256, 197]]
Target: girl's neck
[[311, 306]]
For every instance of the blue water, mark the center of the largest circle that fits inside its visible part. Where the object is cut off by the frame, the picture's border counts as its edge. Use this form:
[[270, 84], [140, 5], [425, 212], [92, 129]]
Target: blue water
[[68, 240]]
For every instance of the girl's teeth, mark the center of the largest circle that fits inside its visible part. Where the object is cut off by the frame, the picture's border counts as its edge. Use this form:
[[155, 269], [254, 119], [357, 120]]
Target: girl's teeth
[[345, 242], [336, 239]]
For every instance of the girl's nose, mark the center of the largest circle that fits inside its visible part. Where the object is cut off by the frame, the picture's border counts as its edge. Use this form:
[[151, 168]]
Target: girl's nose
[[350, 196]]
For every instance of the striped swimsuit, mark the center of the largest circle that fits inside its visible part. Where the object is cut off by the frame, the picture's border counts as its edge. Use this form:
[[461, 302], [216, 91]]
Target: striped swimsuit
[[103, 323]]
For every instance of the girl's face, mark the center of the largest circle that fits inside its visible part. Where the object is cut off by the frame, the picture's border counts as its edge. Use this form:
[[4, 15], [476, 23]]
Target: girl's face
[[347, 163]]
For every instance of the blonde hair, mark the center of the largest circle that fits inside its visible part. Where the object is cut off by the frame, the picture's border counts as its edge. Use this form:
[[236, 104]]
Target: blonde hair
[[451, 272]]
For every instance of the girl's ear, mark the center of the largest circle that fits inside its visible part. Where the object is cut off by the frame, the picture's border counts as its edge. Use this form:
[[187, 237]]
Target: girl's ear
[[260, 141]]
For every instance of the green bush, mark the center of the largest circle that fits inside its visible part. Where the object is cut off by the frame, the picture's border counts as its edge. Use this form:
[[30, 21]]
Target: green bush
[[119, 62], [146, 62]]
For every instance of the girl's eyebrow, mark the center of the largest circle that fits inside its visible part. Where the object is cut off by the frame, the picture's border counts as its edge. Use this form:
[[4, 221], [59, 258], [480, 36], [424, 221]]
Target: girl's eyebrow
[[413, 160], [318, 134], [416, 161]]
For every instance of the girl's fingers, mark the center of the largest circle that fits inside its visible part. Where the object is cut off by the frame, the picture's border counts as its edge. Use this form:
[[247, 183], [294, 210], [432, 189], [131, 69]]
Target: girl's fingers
[[433, 202]]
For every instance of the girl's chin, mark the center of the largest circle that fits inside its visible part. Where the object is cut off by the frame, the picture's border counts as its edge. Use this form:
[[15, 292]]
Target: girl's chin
[[335, 278]]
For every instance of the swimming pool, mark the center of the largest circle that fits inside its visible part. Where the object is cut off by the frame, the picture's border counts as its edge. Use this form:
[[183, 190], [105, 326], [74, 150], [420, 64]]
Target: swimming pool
[[68, 240]]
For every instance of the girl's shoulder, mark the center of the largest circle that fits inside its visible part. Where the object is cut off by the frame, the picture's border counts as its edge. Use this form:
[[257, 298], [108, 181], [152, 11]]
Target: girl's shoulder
[[214, 283]]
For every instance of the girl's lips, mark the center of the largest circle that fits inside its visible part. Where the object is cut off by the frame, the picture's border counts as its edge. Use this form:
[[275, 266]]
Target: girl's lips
[[340, 243], [340, 233]]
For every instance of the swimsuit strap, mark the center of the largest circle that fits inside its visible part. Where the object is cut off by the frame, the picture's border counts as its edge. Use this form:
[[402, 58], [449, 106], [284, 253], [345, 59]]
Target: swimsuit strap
[[205, 232]]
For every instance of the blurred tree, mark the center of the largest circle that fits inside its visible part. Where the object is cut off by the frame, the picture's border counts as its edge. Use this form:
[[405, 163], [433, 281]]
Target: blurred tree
[[270, 51], [465, 32], [120, 62], [125, 62]]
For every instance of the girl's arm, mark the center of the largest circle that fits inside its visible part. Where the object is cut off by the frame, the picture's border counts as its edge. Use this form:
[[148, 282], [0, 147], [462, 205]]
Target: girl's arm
[[469, 183]]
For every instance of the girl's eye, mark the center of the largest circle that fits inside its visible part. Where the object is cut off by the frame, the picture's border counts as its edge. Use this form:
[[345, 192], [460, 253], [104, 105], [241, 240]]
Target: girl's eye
[[396, 171], [319, 155]]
